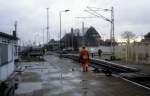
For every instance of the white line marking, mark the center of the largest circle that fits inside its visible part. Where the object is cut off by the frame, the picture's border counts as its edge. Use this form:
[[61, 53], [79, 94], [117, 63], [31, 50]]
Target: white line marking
[[136, 83]]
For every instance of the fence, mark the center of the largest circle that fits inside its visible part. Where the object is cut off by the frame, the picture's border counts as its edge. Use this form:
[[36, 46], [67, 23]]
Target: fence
[[135, 52]]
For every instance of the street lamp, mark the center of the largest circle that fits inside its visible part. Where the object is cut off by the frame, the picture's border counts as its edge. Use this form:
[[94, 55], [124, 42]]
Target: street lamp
[[60, 12]]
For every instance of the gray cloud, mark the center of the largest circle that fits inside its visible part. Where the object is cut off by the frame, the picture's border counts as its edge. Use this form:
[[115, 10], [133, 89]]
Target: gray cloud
[[31, 16]]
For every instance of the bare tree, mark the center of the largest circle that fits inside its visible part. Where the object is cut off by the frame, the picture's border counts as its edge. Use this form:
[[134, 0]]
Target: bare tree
[[128, 35]]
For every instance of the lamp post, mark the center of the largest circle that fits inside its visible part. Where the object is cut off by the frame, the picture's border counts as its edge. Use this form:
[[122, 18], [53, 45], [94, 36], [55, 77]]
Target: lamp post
[[60, 12]]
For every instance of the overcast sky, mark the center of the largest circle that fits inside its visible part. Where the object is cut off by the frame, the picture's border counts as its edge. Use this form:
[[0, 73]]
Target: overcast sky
[[132, 15]]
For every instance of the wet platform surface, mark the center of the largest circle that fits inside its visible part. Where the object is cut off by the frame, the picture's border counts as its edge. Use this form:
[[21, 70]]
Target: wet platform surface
[[56, 78]]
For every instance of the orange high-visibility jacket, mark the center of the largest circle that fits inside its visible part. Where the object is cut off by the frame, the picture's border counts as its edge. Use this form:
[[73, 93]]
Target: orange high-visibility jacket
[[84, 56]]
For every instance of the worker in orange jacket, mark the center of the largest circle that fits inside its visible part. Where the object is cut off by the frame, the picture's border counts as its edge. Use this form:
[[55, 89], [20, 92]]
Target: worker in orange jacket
[[84, 57]]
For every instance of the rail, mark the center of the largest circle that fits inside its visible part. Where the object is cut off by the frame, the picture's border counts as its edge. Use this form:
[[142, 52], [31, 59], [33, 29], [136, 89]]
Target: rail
[[132, 75], [103, 64]]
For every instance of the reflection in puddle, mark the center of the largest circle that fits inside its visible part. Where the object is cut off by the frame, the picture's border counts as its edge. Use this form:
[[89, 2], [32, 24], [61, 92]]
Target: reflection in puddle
[[57, 92], [72, 75], [77, 94], [28, 87], [56, 83], [68, 88]]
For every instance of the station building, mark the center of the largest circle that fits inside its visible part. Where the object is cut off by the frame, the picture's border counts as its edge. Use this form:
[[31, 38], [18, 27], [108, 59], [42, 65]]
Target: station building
[[8, 54]]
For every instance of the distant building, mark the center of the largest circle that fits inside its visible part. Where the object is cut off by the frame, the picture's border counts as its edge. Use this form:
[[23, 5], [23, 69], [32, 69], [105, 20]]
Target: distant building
[[92, 37], [76, 31], [146, 38], [109, 42], [52, 45], [75, 39], [71, 40]]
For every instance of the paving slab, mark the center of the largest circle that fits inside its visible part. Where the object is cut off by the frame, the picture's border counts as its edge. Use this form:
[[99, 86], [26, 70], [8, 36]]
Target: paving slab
[[64, 77]]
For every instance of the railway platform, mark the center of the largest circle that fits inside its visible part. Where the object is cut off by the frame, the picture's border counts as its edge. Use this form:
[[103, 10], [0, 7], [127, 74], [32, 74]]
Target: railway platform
[[64, 77]]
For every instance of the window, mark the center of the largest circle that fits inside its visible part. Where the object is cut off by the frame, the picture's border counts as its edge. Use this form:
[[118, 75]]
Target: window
[[3, 53], [10, 53]]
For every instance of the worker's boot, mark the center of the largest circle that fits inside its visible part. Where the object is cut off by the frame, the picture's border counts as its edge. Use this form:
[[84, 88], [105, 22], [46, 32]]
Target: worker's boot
[[86, 69], [83, 69]]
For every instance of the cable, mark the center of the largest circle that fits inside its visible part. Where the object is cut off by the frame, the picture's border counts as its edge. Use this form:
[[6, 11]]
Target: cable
[[97, 14]]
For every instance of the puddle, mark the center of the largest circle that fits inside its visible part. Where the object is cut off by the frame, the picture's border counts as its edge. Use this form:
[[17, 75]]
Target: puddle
[[68, 88], [30, 77], [77, 94], [56, 92], [72, 75], [93, 83], [56, 83], [76, 80], [28, 87], [50, 76]]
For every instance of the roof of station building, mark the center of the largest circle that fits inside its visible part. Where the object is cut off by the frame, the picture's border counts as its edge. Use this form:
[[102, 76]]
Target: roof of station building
[[11, 37]]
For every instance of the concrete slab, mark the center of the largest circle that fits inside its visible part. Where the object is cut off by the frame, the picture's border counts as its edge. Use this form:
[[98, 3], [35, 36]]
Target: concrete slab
[[56, 78]]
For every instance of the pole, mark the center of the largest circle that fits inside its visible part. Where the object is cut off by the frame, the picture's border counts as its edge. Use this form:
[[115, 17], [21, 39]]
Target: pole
[[43, 36], [65, 39], [60, 26], [16, 26], [112, 36], [60, 31], [72, 40], [83, 39], [47, 25]]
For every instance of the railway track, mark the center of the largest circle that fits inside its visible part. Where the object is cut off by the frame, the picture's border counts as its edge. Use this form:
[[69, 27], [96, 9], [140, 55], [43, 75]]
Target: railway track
[[132, 75]]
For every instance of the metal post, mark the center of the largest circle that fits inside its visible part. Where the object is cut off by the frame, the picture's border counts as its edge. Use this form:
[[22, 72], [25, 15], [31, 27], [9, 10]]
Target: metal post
[[65, 40], [112, 36], [60, 26], [72, 39], [15, 25], [60, 31], [43, 36], [83, 38], [95, 13], [47, 25], [126, 53]]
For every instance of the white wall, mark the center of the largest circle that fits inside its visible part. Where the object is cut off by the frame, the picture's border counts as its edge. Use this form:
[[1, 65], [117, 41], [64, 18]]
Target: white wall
[[7, 69], [3, 72], [0, 55], [105, 49]]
